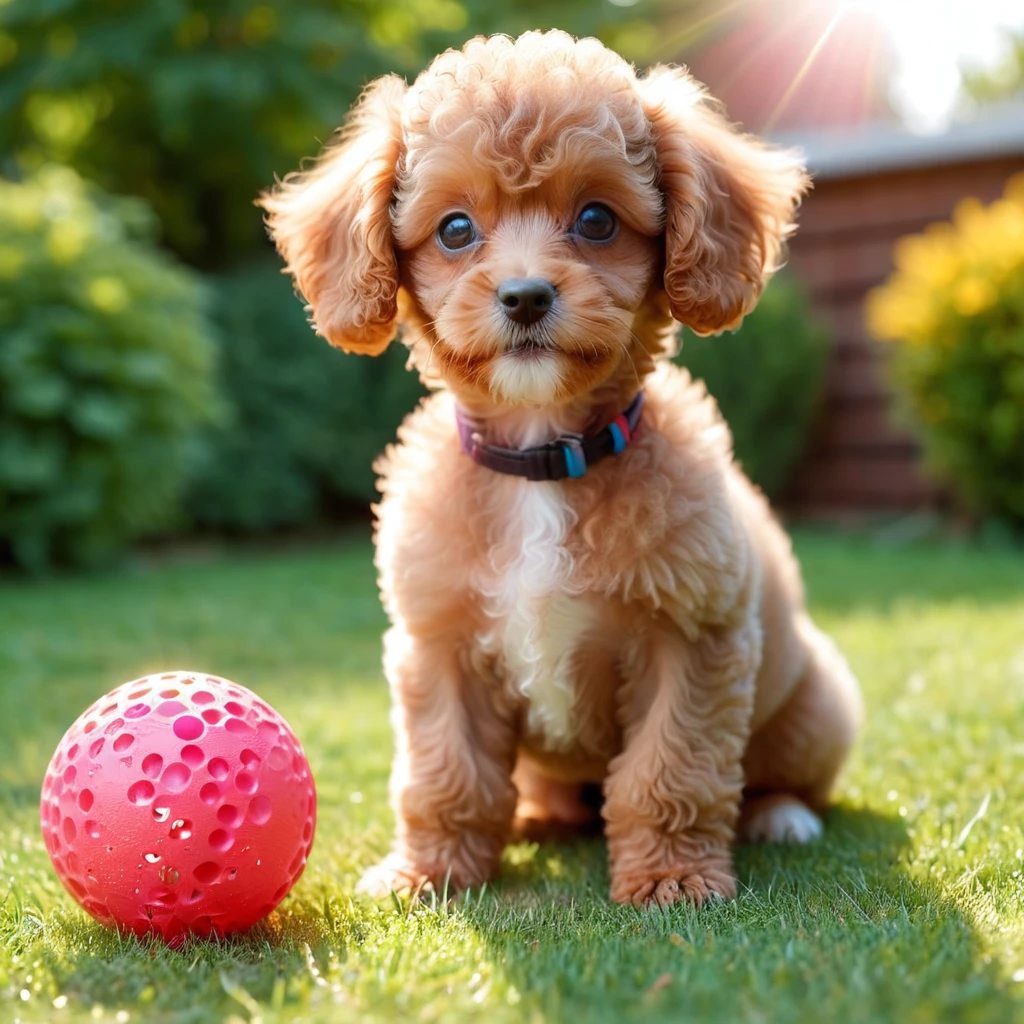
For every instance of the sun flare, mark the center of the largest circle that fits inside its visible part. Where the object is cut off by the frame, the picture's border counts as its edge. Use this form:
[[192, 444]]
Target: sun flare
[[931, 40]]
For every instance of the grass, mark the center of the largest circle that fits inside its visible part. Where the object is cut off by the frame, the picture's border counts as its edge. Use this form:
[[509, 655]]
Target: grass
[[910, 909]]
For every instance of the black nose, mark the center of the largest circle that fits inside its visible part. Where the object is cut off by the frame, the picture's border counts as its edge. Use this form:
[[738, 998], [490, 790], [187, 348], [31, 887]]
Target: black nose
[[526, 299]]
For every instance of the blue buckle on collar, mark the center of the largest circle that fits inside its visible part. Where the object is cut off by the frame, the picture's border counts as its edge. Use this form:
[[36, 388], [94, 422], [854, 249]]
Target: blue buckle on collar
[[575, 460]]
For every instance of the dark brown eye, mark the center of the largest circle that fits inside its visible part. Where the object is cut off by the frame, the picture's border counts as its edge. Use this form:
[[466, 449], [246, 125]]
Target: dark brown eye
[[456, 231], [596, 223]]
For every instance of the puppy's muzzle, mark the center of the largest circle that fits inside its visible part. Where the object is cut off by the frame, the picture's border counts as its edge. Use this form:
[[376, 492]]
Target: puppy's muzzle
[[526, 300]]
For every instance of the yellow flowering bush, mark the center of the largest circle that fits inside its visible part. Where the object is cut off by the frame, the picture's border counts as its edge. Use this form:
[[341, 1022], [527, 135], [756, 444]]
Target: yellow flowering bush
[[105, 369], [954, 310]]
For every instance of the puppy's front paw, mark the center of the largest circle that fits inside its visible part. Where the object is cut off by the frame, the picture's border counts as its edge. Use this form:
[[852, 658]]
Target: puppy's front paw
[[393, 874], [698, 884], [406, 874]]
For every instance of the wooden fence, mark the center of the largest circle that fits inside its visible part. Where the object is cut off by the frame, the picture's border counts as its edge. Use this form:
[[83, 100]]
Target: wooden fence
[[860, 459]]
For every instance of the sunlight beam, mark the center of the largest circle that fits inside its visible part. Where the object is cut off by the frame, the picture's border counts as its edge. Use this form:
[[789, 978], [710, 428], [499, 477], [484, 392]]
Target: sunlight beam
[[801, 74]]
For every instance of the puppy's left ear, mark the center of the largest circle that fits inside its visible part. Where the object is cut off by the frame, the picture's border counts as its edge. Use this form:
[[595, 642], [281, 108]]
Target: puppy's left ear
[[729, 204], [332, 225]]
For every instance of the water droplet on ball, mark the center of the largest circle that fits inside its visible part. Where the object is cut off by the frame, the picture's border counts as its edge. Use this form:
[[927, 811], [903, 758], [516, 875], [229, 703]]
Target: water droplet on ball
[[169, 875], [181, 828]]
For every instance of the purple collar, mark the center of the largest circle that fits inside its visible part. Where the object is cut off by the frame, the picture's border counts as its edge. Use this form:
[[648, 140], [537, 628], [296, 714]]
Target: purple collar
[[569, 456]]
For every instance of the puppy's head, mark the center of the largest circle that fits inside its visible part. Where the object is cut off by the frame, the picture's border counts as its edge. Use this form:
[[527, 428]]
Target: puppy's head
[[532, 211]]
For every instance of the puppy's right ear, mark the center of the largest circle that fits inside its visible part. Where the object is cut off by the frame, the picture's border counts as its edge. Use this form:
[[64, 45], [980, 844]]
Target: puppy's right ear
[[332, 225]]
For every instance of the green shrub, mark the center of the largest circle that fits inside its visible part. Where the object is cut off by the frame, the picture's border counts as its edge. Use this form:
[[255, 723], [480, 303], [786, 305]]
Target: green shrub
[[767, 380], [304, 422], [954, 309], [105, 368]]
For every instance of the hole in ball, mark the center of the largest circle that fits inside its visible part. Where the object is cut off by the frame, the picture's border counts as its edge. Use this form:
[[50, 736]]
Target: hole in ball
[[260, 810], [229, 815], [176, 777], [188, 727], [192, 755], [221, 840], [206, 872], [246, 782], [141, 792]]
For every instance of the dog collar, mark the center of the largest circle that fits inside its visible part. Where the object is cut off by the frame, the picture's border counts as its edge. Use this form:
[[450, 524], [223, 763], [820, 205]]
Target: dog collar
[[568, 456]]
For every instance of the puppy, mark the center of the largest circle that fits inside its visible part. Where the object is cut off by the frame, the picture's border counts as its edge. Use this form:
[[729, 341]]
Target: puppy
[[583, 586]]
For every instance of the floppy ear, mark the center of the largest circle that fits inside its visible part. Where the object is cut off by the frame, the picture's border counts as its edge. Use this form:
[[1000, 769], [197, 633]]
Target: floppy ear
[[729, 203], [332, 225]]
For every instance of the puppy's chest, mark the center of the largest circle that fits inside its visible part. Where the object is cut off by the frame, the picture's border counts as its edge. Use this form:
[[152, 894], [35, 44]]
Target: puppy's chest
[[539, 624]]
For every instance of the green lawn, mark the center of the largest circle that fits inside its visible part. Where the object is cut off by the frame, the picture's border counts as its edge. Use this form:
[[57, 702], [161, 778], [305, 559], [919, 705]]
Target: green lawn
[[910, 909]]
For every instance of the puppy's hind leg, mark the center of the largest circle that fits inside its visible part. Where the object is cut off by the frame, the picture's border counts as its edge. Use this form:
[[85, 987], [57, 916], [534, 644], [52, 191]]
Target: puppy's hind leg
[[792, 761], [550, 808]]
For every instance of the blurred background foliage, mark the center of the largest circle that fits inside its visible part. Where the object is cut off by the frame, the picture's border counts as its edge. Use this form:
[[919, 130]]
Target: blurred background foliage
[[954, 310], [305, 422], [767, 379], [195, 105], [105, 372], [192, 107], [1002, 82]]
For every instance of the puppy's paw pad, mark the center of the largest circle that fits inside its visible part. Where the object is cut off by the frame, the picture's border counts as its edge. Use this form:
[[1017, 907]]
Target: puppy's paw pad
[[784, 822]]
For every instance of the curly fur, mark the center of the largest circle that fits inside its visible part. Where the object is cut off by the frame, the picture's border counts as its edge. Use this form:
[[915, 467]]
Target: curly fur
[[642, 627]]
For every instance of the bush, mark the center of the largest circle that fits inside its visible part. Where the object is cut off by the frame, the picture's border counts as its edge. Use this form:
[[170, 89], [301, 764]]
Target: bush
[[105, 368], [767, 380], [304, 421], [954, 308]]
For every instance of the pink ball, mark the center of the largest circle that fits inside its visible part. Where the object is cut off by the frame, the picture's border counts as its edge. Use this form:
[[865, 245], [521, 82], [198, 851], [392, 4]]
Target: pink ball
[[179, 803]]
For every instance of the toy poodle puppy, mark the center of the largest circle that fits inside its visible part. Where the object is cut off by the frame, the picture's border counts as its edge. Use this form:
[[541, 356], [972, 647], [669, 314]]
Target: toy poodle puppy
[[583, 586]]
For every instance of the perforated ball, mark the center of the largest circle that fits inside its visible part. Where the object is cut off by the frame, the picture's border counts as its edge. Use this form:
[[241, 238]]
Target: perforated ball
[[179, 803]]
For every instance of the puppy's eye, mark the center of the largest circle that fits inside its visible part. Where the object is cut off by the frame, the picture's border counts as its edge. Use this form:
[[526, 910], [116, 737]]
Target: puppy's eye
[[456, 232], [596, 223]]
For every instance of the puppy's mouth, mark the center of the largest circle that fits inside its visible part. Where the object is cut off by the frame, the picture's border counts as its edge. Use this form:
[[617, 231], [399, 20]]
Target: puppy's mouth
[[529, 348]]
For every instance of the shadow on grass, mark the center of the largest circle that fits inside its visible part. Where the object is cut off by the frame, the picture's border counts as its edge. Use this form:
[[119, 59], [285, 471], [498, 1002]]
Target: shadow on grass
[[840, 930]]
